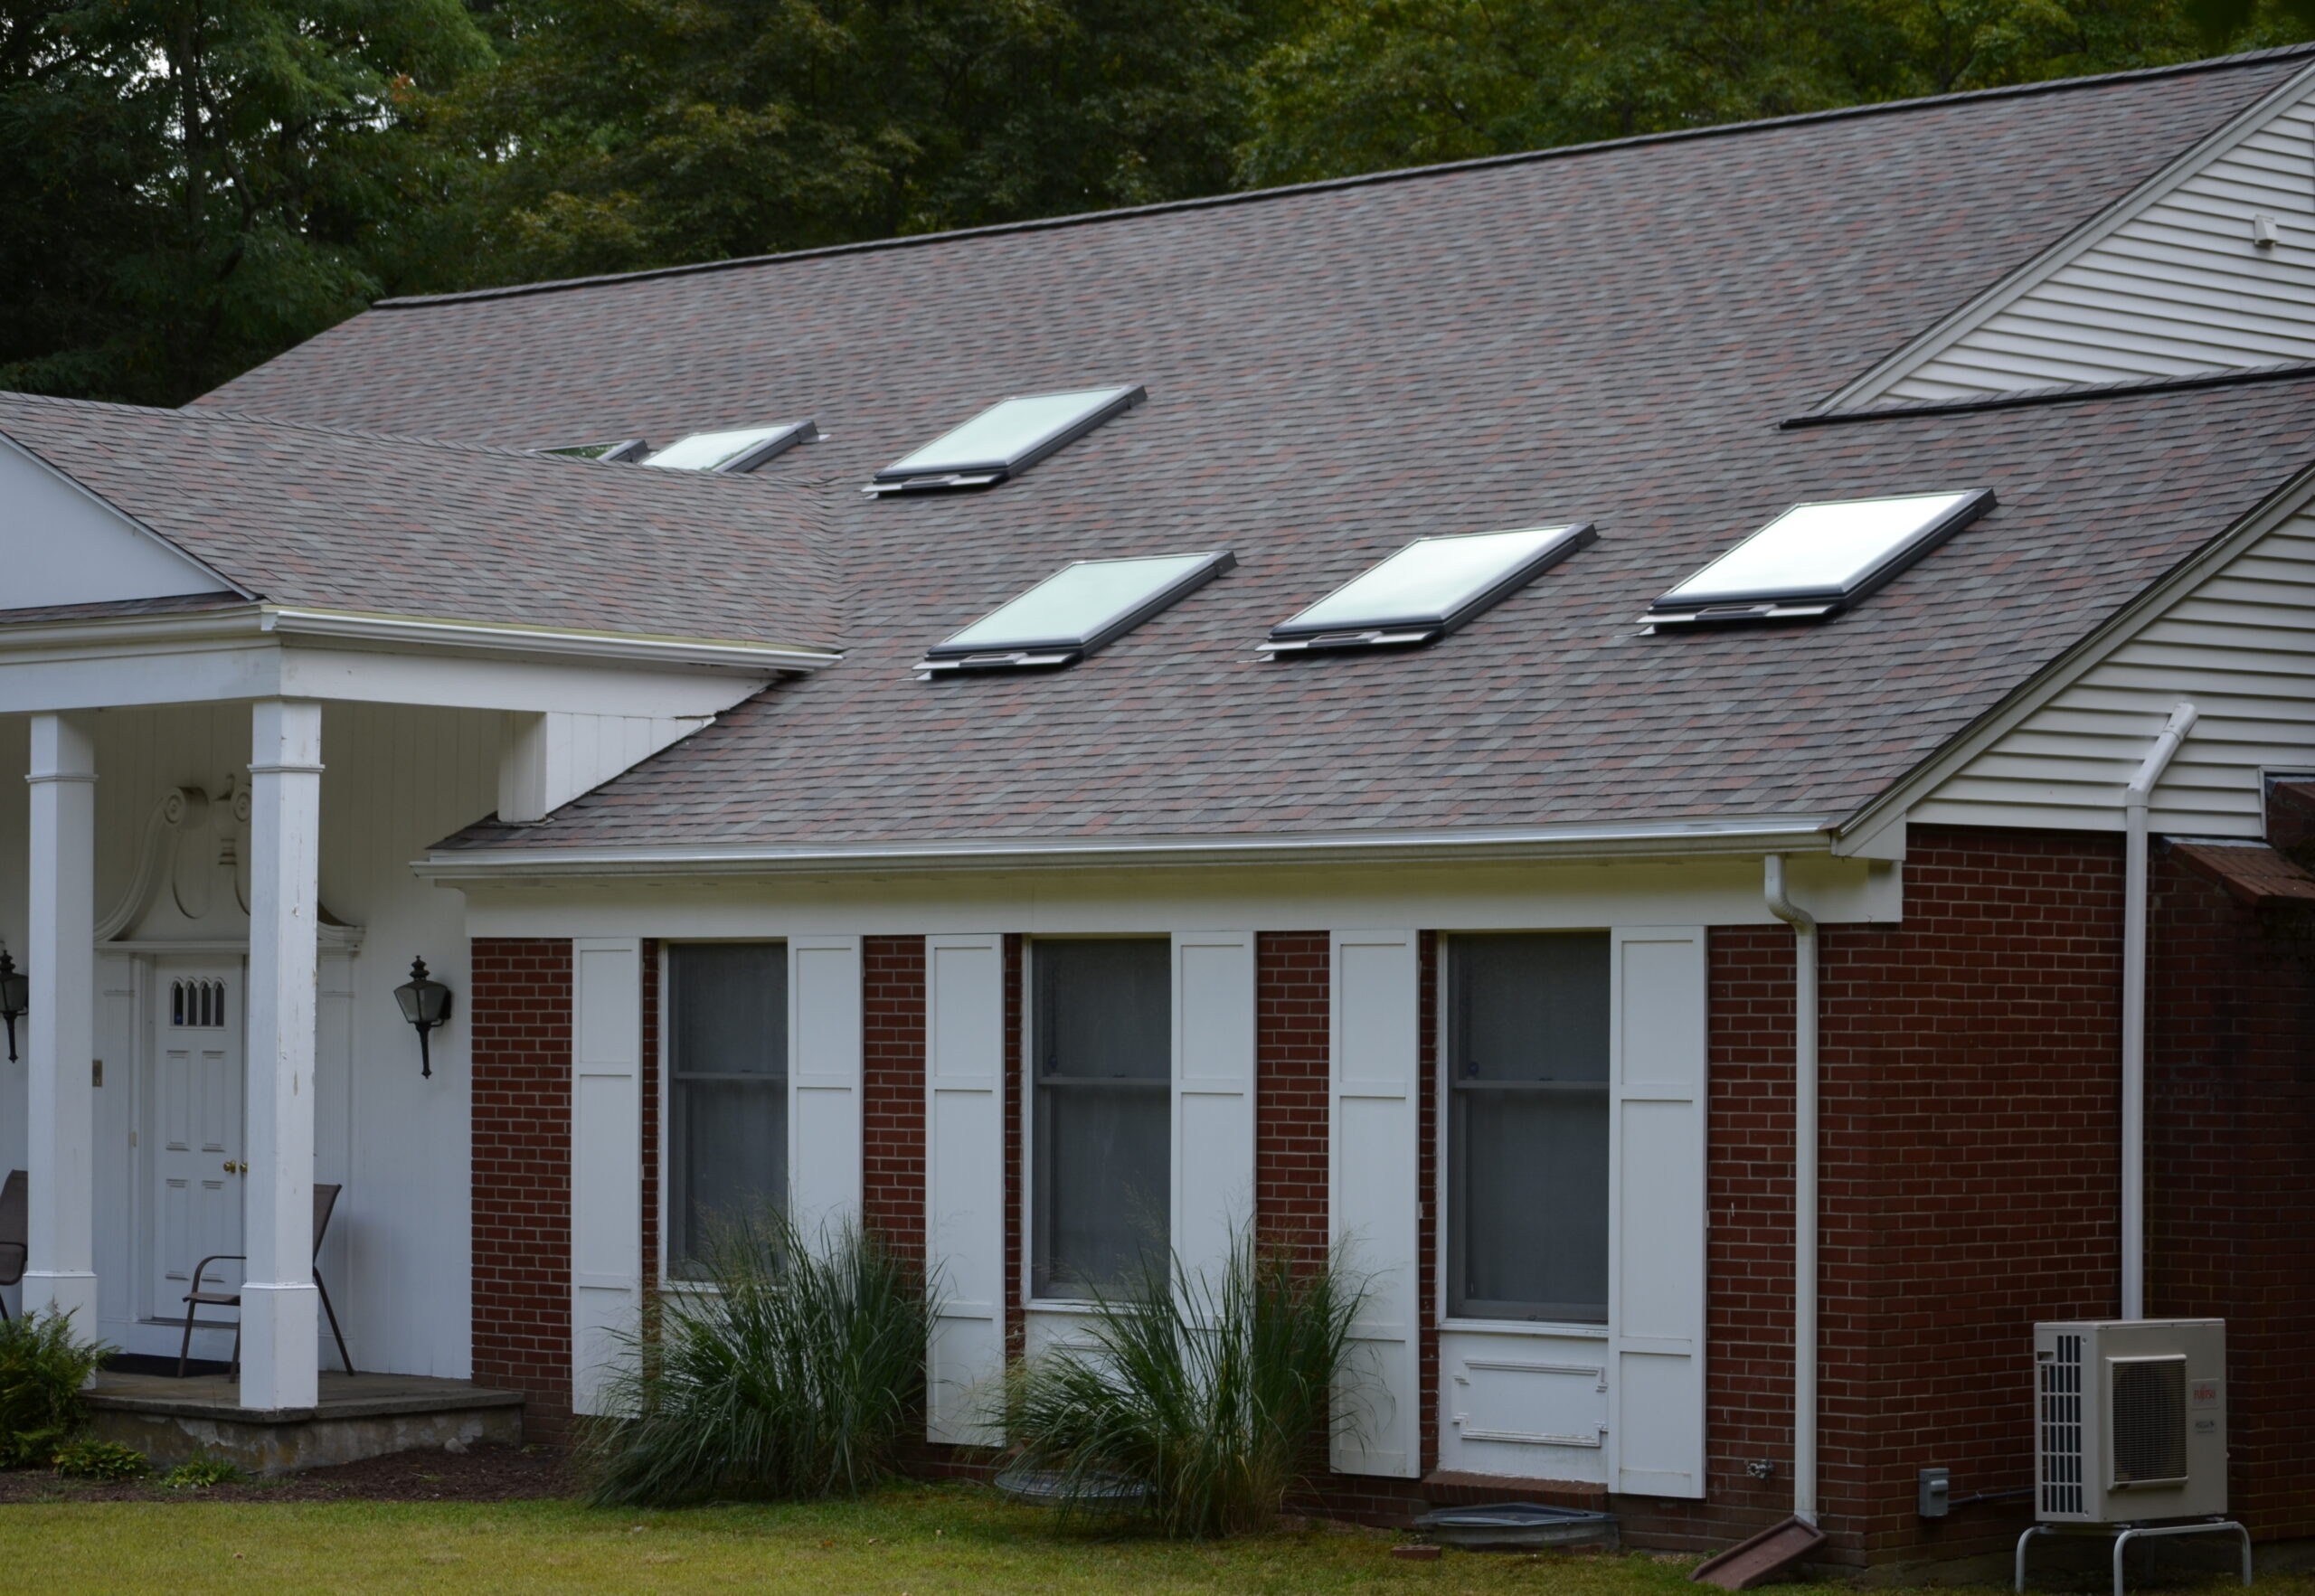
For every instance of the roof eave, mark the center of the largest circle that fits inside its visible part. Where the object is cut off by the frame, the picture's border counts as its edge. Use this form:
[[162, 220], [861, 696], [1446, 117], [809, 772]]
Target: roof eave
[[1681, 838]]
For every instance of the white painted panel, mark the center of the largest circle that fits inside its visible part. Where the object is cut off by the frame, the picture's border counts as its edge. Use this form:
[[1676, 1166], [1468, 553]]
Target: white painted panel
[[1214, 1095], [63, 545], [1657, 1211], [1524, 1405], [606, 1159], [964, 1179], [1372, 1192], [2169, 283], [2240, 643], [824, 1017]]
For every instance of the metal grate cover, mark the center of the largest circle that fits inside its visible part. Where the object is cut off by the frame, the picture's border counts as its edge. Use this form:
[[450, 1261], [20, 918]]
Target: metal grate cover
[[2061, 1417], [2150, 1420]]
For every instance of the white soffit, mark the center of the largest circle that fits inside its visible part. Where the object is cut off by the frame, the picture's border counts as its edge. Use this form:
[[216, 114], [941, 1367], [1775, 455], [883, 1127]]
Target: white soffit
[[2207, 267], [61, 545]]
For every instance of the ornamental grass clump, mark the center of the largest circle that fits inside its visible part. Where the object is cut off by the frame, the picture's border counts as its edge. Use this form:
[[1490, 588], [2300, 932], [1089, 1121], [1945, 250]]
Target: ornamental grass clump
[[1199, 1404], [44, 1366], [793, 1372]]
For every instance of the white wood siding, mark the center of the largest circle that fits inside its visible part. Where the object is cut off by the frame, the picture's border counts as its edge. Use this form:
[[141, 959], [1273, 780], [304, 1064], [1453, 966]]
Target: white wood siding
[[2240, 645], [964, 1179], [2172, 285], [1214, 1096], [606, 1161], [824, 1060]]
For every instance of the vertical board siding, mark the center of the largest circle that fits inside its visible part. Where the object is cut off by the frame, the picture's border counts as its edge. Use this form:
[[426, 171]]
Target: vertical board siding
[[1373, 1190], [2177, 290], [1214, 1096], [2240, 646], [964, 1156], [824, 1053]]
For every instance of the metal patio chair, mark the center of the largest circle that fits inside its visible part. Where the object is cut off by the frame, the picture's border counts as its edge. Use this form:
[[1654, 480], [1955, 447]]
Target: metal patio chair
[[15, 1232], [324, 1200]]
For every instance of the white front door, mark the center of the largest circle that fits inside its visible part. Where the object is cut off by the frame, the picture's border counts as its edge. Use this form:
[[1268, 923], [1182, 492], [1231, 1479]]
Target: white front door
[[199, 1151]]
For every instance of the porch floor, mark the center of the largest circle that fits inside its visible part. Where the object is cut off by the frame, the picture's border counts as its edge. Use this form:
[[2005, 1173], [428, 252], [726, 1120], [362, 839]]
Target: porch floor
[[357, 1416]]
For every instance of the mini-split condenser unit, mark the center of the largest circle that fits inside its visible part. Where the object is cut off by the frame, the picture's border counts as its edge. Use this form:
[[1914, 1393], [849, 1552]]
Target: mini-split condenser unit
[[2130, 1420]]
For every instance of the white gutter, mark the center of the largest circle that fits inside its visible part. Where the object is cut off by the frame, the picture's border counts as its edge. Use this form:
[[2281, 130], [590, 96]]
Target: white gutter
[[1671, 838], [2134, 906], [1804, 1186]]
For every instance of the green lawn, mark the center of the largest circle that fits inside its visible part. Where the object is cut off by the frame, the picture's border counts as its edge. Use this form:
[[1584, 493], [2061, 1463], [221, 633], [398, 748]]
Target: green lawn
[[915, 1541]]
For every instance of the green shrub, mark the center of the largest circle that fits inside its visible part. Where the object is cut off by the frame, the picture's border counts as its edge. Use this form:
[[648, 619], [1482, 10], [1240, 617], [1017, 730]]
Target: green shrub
[[198, 1474], [796, 1375], [89, 1459], [42, 1367], [1200, 1403]]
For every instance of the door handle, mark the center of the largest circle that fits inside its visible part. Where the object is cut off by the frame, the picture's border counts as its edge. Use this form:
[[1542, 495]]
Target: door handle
[[233, 1168]]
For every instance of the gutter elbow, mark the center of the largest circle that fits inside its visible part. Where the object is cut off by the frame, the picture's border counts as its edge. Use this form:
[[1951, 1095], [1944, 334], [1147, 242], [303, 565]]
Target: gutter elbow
[[1773, 893]]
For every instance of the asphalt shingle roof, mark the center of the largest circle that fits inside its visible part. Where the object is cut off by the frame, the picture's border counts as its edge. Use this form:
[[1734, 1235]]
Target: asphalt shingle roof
[[1608, 335], [303, 514]]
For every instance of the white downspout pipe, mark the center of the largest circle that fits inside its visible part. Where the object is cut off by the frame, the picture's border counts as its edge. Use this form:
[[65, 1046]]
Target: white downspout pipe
[[2134, 906], [1804, 1186]]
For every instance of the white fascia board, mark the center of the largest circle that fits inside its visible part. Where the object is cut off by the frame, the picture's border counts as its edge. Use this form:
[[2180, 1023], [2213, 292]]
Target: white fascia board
[[1857, 832], [1660, 839], [497, 639], [1918, 352]]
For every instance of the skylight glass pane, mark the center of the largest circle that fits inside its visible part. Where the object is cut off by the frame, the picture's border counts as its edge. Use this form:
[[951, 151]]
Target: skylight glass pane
[[1818, 550], [618, 449], [1077, 602], [1430, 581], [1006, 435], [724, 451]]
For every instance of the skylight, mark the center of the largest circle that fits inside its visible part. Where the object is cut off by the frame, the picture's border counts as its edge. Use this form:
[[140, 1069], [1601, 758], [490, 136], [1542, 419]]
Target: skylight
[[1427, 588], [1072, 612], [1005, 440], [621, 448], [743, 450], [1817, 559]]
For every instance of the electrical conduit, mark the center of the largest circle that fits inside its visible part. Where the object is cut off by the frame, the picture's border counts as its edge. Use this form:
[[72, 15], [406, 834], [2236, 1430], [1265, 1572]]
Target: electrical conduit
[[1804, 1186], [2134, 907]]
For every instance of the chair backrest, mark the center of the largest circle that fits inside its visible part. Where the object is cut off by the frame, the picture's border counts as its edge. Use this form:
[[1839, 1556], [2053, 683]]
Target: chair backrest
[[15, 1226], [324, 1199]]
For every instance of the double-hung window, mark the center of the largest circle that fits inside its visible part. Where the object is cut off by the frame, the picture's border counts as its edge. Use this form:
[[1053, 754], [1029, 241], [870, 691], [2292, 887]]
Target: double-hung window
[[1527, 1126], [727, 1090], [1100, 1176]]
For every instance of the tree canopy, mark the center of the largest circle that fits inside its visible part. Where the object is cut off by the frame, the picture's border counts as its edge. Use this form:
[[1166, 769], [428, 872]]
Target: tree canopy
[[189, 186]]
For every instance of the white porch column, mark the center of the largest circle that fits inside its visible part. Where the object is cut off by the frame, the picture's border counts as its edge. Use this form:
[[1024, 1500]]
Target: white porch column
[[60, 1270], [278, 1353]]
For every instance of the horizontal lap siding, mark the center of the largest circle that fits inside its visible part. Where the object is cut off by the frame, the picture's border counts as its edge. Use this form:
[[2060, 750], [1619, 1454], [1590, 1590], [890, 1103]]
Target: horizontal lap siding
[[519, 1020], [2176, 290], [2241, 646]]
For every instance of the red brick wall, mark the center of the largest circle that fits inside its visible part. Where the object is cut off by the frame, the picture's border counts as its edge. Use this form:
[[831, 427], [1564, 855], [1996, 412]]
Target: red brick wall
[[2230, 1171], [518, 1010], [893, 1090], [1291, 998]]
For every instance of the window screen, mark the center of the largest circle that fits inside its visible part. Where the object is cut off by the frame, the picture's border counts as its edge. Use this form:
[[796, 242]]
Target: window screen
[[1100, 1183], [1527, 1126], [727, 1090]]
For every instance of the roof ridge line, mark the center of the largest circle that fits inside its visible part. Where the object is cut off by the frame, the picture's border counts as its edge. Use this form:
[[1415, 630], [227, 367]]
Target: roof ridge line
[[1360, 180], [2065, 393]]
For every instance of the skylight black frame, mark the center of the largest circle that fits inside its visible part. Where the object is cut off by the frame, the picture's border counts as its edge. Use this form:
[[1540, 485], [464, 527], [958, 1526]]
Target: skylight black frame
[[988, 474], [786, 436], [618, 450], [1413, 631], [947, 659], [1817, 602]]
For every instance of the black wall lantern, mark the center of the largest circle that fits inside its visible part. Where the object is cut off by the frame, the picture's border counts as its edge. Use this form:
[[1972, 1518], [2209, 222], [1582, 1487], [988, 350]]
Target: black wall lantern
[[15, 997], [425, 1003]]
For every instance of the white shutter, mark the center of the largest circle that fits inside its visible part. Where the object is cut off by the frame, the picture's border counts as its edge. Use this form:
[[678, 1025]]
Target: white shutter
[[1214, 1095], [964, 1178], [1371, 1179], [1657, 1221], [606, 1158], [824, 1082]]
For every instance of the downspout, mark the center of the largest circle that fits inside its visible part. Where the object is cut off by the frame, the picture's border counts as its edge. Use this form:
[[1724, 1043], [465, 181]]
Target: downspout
[[1804, 1186], [2134, 905]]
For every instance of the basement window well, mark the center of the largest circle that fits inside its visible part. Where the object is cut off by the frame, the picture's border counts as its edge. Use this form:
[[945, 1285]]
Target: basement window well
[[1072, 612], [1005, 440], [742, 449], [1817, 559], [1427, 589], [620, 448]]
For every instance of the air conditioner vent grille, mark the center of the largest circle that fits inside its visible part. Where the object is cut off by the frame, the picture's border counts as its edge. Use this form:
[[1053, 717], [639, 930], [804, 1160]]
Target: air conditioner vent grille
[[2150, 1420], [2061, 1397]]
